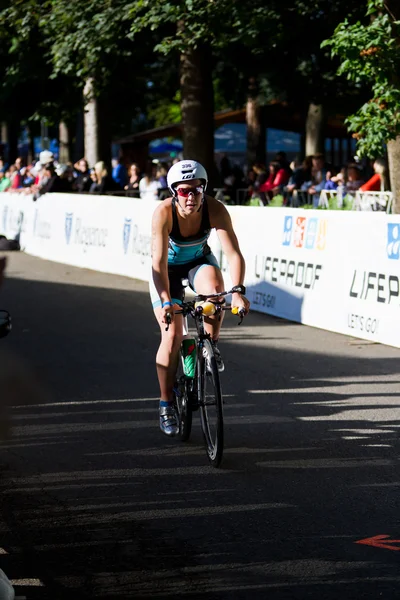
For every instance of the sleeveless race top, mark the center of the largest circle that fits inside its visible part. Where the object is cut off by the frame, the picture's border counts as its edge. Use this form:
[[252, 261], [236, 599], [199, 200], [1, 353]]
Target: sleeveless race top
[[184, 250]]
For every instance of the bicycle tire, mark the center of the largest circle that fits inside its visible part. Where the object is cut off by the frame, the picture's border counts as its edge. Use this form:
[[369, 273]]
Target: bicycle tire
[[210, 404], [183, 404]]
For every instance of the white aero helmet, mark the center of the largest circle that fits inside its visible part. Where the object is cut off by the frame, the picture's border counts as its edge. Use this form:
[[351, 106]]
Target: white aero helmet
[[184, 171]]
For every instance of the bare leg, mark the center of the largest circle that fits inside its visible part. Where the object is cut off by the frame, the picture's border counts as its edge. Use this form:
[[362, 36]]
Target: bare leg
[[168, 354], [208, 280]]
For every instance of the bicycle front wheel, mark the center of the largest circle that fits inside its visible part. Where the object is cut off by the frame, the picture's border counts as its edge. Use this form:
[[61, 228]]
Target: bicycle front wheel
[[210, 403]]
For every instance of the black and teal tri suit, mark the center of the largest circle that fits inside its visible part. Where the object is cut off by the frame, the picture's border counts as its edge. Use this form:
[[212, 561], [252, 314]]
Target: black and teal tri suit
[[186, 256]]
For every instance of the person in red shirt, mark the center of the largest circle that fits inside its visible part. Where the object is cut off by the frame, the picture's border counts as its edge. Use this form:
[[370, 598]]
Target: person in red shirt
[[278, 177], [378, 181]]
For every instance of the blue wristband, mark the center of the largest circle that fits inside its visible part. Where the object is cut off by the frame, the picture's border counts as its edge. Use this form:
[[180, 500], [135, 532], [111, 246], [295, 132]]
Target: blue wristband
[[166, 304]]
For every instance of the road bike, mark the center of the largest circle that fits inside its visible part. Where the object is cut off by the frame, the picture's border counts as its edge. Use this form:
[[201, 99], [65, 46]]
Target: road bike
[[197, 385]]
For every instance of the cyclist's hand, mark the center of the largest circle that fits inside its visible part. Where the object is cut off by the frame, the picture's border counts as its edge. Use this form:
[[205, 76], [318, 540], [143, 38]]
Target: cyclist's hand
[[240, 302], [167, 310]]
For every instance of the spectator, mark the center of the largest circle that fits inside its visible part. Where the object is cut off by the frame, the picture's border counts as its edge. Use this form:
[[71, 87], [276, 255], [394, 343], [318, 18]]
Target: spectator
[[82, 181], [379, 181], [278, 177], [103, 181], [66, 175], [28, 177], [5, 181], [134, 179], [261, 175], [15, 178], [46, 157], [301, 174], [149, 186], [119, 172], [51, 182], [354, 179], [318, 178], [225, 167], [281, 158], [162, 179]]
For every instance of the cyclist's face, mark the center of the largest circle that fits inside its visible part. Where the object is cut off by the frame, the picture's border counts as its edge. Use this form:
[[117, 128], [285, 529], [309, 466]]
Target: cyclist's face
[[190, 195]]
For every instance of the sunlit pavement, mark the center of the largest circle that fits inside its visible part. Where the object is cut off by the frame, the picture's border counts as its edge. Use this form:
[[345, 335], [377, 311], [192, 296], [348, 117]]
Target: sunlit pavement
[[96, 503]]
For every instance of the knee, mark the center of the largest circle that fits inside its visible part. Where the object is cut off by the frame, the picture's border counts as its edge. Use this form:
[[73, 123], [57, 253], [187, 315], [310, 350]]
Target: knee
[[172, 340]]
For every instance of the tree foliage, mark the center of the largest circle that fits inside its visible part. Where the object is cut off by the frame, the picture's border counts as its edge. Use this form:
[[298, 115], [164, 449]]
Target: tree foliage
[[370, 55]]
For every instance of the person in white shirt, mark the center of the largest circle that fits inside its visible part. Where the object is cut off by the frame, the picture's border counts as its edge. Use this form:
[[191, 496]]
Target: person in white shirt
[[149, 187]]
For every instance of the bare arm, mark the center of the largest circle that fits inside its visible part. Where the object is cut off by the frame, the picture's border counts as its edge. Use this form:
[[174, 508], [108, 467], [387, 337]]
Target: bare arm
[[159, 253], [223, 224]]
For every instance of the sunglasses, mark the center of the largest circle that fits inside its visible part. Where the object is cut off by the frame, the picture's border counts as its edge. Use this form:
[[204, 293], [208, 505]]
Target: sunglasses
[[184, 192]]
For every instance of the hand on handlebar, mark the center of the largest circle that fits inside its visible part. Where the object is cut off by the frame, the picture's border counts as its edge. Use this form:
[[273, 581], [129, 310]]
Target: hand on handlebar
[[167, 314], [240, 304]]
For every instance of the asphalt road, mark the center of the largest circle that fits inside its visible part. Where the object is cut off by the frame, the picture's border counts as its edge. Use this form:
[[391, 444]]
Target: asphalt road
[[96, 503]]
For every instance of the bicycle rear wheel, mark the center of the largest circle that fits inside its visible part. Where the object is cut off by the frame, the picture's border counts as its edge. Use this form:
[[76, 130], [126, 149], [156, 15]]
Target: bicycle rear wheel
[[183, 405], [210, 403]]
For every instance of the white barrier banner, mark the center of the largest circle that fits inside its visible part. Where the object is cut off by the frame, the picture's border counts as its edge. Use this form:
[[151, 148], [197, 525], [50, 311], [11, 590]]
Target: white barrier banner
[[337, 270]]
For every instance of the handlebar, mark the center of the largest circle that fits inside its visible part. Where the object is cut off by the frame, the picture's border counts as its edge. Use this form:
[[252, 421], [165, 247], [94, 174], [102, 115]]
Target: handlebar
[[191, 309]]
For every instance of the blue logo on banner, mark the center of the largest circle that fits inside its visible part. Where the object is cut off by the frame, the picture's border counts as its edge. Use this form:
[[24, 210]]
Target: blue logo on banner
[[311, 234], [68, 226], [287, 231], [126, 234], [5, 215], [393, 241]]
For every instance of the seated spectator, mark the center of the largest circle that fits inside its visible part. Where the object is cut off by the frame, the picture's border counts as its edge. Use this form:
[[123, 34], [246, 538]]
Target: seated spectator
[[134, 179], [300, 175], [379, 181], [278, 177], [149, 186], [261, 175], [354, 179], [66, 175], [28, 177], [161, 177], [103, 182], [5, 181], [119, 172], [82, 180], [16, 179], [281, 158], [318, 178]]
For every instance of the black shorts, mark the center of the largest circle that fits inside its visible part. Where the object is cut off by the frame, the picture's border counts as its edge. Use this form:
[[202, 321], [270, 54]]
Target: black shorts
[[178, 272]]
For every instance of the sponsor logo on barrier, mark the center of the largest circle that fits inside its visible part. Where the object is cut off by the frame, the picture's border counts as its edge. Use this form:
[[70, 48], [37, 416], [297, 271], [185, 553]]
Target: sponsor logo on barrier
[[141, 244], [5, 215], [289, 272], [393, 241], [376, 287], [90, 236], [83, 235], [305, 232], [126, 234], [68, 226], [41, 229]]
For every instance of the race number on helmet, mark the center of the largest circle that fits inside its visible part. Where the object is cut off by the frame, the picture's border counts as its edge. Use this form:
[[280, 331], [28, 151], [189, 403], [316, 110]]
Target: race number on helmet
[[184, 171]]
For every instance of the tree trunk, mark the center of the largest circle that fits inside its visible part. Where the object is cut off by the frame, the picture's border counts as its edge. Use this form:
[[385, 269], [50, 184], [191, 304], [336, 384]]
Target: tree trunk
[[197, 107], [63, 133], [256, 130], [393, 148], [91, 135], [315, 129]]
